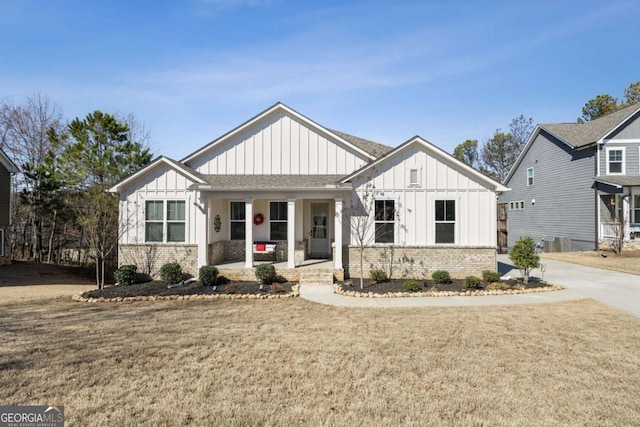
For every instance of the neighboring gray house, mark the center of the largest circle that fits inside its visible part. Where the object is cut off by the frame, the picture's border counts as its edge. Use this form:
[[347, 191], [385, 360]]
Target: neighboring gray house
[[576, 180], [7, 168]]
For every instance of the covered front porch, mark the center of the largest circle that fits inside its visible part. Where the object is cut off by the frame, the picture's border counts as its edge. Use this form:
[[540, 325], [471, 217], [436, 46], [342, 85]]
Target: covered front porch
[[619, 209], [291, 228]]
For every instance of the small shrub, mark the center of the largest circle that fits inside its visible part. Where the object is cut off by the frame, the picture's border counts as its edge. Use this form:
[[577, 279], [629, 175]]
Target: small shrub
[[524, 257], [490, 276], [497, 286], [171, 273], [266, 273], [208, 275], [411, 286], [126, 275], [378, 276], [441, 277], [472, 282]]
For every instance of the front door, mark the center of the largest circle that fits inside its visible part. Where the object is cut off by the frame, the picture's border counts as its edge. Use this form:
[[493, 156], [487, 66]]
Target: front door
[[319, 241]]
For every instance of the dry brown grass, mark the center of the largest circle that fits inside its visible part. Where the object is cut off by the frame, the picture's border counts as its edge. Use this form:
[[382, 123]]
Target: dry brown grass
[[291, 362], [627, 262]]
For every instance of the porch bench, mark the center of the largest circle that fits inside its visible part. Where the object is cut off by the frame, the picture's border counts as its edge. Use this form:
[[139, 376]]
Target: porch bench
[[265, 248]]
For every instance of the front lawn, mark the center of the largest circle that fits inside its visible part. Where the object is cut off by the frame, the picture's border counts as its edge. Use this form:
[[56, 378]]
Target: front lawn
[[287, 362]]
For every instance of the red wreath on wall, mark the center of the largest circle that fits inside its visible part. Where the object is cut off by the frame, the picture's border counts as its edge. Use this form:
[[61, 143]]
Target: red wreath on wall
[[258, 219]]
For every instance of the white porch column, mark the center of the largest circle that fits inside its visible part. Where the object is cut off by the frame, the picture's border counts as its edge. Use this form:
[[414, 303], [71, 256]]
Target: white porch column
[[291, 233], [338, 235], [626, 215], [248, 233], [202, 232]]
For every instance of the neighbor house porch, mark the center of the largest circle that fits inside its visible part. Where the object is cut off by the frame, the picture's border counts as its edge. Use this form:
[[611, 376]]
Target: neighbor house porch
[[619, 209]]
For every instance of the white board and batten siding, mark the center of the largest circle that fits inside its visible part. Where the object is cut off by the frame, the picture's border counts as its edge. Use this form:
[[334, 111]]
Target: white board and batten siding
[[159, 183], [438, 179], [279, 144]]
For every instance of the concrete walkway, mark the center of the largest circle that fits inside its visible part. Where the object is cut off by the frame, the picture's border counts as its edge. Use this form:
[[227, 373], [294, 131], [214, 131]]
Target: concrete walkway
[[619, 290]]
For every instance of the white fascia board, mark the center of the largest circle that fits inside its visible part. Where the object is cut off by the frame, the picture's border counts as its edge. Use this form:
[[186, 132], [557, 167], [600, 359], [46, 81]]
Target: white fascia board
[[155, 163]]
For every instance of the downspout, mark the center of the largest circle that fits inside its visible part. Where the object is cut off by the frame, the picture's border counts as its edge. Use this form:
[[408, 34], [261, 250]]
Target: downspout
[[598, 216]]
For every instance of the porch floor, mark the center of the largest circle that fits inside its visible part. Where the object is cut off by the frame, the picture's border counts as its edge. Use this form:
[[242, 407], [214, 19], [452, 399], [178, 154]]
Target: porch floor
[[311, 264]]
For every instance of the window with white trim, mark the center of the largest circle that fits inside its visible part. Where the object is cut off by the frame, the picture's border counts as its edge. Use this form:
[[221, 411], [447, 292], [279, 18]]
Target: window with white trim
[[237, 220], [636, 209], [445, 221], [530, 172], [165, 221], [516, 206], [278, 220], [384, 221], [615, 161]]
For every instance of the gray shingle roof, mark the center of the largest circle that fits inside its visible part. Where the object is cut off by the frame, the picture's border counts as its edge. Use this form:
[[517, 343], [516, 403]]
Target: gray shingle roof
[[373, 148], [582, 134], [271, 182]]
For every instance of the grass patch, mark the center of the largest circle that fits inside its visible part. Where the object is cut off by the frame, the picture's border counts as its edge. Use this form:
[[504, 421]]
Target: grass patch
[[292, 362]]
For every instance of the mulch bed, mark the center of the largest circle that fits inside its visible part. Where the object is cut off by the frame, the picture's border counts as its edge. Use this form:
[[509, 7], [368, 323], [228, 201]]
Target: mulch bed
[[456, 285], [157, 288]]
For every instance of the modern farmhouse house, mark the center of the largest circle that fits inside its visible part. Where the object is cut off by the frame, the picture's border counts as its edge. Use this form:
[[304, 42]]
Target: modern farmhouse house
[[284, 188], [577, 181], [7, 168]]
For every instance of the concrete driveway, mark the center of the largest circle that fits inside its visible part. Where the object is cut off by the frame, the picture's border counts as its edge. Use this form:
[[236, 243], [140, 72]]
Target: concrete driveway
[[618, 290]]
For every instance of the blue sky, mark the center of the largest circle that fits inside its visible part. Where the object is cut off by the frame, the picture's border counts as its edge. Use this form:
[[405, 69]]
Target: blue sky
[[192, 70]]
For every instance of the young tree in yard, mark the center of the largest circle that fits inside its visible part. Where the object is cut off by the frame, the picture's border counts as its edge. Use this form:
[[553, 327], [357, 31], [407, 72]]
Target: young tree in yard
[[467, 152], [362, 215], [524, 257], [96, 152]]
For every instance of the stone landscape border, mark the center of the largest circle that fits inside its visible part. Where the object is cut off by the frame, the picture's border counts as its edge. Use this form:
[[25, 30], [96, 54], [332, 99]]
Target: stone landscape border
[[475, 293], [295, 292]]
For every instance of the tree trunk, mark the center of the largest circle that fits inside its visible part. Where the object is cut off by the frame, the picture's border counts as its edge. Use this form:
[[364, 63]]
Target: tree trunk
[[361, 268], [53, 229]]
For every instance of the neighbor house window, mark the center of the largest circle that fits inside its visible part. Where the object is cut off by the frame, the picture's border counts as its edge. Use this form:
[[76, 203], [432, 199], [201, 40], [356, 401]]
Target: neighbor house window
[[636, 209], [615, 161], [384, 221], [165, 221], [516, 206], [237, 220], [278, 220], [445, 221], [529, 177]]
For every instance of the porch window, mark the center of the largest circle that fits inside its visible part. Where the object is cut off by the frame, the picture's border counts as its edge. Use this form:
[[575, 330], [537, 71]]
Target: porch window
[[529, 177], [615, 161], [237, 220], [165, 228], [636, 209], [384, 221], [445, 221], [278, 220]]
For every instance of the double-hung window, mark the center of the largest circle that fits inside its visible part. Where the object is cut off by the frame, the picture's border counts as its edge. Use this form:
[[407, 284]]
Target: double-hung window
[[384, 221], [615, 161], [445, 221], [165, 221], [278, 220], [237, 220], [530, 177]]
